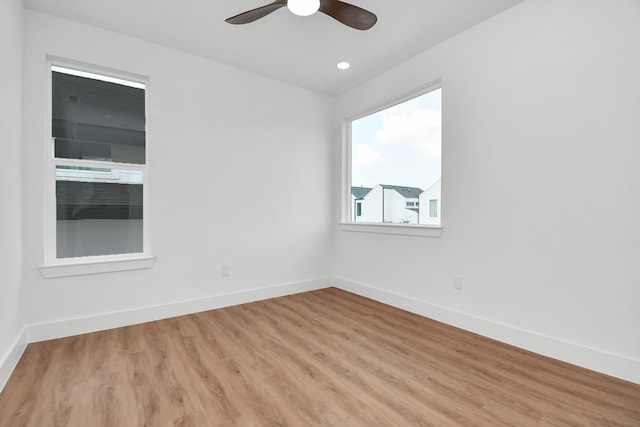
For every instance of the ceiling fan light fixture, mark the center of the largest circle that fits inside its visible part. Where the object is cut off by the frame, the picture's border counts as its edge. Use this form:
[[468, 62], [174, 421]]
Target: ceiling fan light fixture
[[343, 12], [303, 7]]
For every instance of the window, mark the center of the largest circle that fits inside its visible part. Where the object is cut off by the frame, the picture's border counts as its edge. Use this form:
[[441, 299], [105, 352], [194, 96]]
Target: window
[[395, 154], [433, 208], [97, 168]]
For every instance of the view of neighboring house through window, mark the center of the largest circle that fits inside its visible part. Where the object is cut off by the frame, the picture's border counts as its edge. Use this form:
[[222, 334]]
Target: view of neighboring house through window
[[396, 163], [98, 165]]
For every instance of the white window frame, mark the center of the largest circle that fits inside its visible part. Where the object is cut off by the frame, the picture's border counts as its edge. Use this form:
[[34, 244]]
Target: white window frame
[[62, 267], [346, 224]]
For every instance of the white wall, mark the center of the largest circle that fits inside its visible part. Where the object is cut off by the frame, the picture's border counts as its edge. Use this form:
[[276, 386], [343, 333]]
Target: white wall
[[232, 156], [11, 25], [541, 119]]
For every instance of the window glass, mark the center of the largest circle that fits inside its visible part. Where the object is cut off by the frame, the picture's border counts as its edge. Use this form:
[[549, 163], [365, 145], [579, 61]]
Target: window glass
[[98, 166], [98, 211], [433, 208], [93, 119], [396, 161]]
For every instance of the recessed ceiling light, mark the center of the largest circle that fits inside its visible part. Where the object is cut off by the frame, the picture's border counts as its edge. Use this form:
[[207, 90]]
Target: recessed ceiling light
[[343, 65]]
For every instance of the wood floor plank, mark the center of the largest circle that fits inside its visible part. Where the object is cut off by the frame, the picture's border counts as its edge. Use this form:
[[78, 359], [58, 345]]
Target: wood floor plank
[[343, 362], [242, 383], [396, 357], [306, 371], [547, 381], [321, 358], [400, 378]]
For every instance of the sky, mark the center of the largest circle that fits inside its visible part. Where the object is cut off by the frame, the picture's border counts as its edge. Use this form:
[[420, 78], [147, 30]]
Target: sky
[[400, 145]]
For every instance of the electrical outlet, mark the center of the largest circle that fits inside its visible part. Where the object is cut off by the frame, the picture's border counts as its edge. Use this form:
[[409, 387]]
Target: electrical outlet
[[225, 271], [457, 283]]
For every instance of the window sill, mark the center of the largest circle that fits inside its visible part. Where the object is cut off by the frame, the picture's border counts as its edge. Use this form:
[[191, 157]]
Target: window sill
[[81, 268], [397, 229]]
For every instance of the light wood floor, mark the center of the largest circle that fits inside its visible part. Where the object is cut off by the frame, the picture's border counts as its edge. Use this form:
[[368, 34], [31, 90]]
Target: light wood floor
[[320, 358]]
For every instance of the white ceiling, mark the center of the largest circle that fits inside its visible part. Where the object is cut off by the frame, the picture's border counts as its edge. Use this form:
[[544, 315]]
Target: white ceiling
[[303, 51]]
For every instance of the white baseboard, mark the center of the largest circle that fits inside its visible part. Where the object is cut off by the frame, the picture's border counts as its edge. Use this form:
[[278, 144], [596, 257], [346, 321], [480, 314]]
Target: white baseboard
[[615, 365], [103, 321], [598, 360], [12, 357]]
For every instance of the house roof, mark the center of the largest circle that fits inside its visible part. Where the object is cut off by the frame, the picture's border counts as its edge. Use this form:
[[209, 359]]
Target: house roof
[[436, 182], [360, 192], [406, 192]]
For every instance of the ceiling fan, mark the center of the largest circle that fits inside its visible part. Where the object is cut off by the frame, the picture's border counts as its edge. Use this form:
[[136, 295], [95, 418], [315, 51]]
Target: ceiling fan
[[348, 14]]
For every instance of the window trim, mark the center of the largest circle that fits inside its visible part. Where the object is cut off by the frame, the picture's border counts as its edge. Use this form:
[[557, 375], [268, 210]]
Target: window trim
[[62, 267], [91, 265], [346, 224], [416, 230]]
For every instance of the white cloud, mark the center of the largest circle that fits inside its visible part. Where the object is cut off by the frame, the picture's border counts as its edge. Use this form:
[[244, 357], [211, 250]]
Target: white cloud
[[366, 156], [419, 130]]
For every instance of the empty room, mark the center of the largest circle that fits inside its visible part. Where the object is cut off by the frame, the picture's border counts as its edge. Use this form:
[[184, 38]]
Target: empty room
[[303, 212]]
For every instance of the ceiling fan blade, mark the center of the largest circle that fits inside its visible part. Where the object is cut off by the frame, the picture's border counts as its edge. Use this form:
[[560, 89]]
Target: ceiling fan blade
[[257, 13], [348, 14]]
